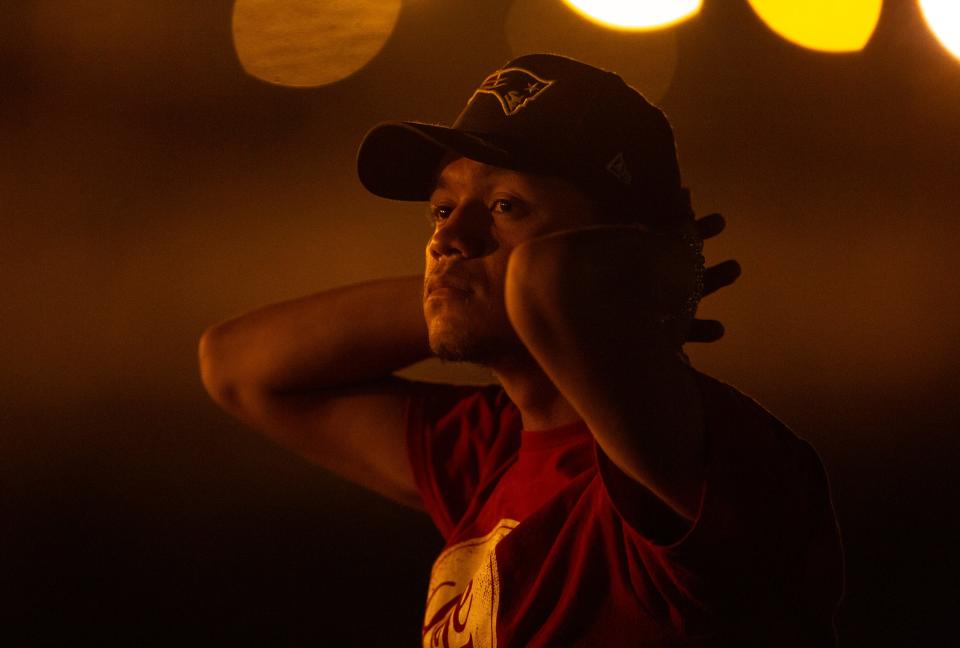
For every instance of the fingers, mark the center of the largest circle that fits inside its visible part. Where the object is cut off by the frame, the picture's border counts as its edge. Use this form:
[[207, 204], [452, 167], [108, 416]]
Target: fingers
[[722, 274], [705, 331], [714, 278], [710, 225]]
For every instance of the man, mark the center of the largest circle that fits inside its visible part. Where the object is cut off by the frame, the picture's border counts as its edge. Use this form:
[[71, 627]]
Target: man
[[604, 493]]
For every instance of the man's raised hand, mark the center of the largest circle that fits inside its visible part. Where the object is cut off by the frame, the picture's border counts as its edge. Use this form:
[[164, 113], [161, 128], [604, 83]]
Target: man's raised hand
[[715, 277]]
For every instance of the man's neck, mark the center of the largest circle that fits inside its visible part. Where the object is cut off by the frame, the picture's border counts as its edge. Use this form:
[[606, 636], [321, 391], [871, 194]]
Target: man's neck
[[541, 404]]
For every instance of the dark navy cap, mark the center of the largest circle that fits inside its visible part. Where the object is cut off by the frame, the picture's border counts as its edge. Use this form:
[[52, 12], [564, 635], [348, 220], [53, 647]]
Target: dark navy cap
[[542, 113]]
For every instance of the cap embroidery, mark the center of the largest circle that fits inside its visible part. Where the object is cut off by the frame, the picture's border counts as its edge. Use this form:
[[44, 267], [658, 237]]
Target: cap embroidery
[[618, 167], [513, 87]]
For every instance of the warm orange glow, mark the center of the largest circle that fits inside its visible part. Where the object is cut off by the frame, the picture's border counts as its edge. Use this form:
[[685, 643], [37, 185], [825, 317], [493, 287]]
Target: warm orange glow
[[310, 42], [636, 15], [645, 60], [943, 18], [823, 25]]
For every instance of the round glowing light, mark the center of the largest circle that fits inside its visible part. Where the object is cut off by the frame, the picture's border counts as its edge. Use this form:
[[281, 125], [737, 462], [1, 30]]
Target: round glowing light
[[823, 25], [943, 18], [638, 14], [645, 60], [307, 43]]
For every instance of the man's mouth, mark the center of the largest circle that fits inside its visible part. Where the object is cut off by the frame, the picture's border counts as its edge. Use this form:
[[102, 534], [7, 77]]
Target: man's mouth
[[448, 286]]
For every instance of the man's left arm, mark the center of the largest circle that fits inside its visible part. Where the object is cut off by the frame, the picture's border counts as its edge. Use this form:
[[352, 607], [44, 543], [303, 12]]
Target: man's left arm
[[597, 309]]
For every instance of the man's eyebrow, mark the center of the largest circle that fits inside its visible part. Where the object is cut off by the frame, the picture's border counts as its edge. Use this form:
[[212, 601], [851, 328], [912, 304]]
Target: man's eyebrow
[[492, 176], [439, 182]]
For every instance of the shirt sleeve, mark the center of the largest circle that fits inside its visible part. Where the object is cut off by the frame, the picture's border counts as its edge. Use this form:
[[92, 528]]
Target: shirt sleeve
[[457, 437], [764, 543]]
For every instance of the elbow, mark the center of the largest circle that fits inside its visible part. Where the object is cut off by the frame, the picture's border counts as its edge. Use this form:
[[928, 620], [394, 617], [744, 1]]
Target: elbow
[[214, 374]]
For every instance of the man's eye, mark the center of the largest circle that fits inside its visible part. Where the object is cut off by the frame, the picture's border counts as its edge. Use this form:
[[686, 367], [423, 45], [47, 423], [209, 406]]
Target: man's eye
[[440, 212], [501, 205]]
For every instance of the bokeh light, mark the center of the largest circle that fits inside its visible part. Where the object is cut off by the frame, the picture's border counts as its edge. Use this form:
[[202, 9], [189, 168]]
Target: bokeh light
[[636, 15], [823, 25], [646, 60], [943, 18], [306, 43]]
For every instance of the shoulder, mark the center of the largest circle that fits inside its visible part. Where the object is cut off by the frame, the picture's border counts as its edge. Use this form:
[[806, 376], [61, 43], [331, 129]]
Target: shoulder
[[723, 398], [759, 472], [728, 411]]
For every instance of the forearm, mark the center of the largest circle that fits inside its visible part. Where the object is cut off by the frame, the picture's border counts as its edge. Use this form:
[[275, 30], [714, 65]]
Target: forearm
[[336, 338], [588, 304]]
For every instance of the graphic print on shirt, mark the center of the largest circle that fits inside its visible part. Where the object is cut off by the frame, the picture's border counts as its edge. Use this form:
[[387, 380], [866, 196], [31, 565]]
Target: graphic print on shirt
[[464, 593]]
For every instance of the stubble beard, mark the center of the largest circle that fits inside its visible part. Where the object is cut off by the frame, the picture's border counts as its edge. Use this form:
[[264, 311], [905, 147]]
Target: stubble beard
[[464, 339], [475, 332], [462, 345], [460, 352]]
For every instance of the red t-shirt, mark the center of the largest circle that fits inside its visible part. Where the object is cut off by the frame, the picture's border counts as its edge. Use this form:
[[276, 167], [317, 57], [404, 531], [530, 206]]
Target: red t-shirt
[[548, 543]]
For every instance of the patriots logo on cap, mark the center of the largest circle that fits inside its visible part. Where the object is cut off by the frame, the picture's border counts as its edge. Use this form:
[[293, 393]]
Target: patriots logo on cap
[[513, 87], [617, 166]]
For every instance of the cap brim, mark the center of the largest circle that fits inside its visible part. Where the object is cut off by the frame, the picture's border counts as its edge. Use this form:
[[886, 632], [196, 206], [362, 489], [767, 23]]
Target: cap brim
[[399, 160]]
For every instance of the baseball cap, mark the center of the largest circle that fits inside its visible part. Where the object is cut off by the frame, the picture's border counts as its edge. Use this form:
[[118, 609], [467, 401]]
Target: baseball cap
[[542, 113]]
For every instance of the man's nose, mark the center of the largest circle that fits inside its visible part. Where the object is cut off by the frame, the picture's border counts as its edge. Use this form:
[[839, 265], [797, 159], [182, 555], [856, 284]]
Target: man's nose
[[465, 233]]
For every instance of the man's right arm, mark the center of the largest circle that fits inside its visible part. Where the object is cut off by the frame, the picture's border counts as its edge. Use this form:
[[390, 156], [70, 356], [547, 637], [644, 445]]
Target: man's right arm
[[315, 374]]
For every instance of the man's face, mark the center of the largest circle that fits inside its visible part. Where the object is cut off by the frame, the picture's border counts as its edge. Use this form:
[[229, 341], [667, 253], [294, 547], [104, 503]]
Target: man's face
[[480, 214]]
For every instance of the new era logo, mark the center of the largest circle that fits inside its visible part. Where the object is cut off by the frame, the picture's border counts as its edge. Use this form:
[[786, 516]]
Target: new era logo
[[514, 88], [618, 167]]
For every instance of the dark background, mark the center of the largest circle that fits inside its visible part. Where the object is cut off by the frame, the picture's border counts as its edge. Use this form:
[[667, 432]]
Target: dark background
[[149, 188]]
